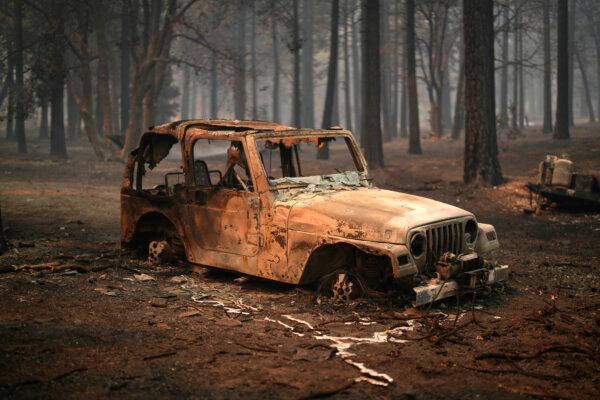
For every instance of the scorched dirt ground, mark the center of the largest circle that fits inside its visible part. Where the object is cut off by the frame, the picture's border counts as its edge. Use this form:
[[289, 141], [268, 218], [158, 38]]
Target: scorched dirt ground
[[81, 320]]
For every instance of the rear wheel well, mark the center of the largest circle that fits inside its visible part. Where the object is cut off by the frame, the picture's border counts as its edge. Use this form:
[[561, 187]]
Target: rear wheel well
[[375, 270], [154, 226]]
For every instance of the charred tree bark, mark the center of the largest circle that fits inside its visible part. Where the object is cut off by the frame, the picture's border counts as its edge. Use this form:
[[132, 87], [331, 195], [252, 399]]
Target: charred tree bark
[[185, 93], [73, 117], [414, 143], [58, 147], [239, 63], [347, 90], [356, 63], [459, 106], [547, 126], [19, 98], [371, 119], [521, 83], [323, 152], [308, 102], [481, 148], [253, 71], [43, 117], [10, 82], [295, 47], [571, 29], [3, 241], [586, 87], [125, 66], [214, 87], [276, 67], [386, 82], [515, 71], [396, 68], [504, 72], [561, 125]]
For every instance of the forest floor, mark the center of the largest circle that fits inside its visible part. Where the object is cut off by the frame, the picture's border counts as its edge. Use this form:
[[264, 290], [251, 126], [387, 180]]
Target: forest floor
[[103, 325]]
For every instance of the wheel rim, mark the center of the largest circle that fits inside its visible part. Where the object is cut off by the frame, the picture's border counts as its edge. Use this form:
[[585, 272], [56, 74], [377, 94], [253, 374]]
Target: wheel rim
[[344, 288]]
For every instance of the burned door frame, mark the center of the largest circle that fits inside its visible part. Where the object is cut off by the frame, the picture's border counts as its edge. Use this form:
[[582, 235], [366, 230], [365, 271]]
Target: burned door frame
[[223, 221]]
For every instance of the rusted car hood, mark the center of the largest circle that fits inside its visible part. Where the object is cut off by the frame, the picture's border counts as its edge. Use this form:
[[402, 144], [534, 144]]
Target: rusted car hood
[[365, 213]]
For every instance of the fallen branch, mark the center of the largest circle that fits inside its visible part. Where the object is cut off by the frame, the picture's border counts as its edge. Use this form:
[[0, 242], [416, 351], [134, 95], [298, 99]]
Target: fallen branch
[[551, 349]]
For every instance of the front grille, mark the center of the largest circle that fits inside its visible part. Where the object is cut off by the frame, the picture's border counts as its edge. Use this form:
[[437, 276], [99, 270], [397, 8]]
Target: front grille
[[443, 238]]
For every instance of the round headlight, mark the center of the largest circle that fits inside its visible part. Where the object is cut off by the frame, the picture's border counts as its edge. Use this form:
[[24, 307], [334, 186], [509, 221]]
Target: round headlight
[[471, 229], [417, 245]]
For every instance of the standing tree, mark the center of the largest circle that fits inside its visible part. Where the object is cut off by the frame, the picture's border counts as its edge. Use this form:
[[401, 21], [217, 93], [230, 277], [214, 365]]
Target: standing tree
[[547, 127], [276, 66], [414, 143], [308, 103], [239, 62], [20, 114], [371, 118], [323, 152], [561, 126], [481, 147], [504, 70], [295, 46]]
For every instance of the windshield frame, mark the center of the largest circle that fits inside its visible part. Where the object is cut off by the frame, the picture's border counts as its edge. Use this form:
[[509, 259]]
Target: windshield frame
[[357, 156]]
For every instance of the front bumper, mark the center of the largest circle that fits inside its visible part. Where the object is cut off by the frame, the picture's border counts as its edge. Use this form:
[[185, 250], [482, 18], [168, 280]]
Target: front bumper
[[438, 289]]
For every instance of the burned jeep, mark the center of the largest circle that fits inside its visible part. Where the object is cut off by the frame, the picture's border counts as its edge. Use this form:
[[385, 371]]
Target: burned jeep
[[253, 197]]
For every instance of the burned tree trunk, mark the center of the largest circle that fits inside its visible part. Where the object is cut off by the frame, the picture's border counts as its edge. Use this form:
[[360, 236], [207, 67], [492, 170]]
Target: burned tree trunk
[[295, 47], [504, 72], [44, 117], [185, 93], [414, 143], [73, 117], [386, 83], [3, 241], [459, 106], [253, 72], [356, 81], [561, 125], [481, 147], [10, 84], [239, 63], [330, 93], [308, 103], [347, 92], [125, 66], [20, 114], [547, 127], [586, 87], [214, 87], [323, 152], [276, 67], [58, 147], [371, 119]]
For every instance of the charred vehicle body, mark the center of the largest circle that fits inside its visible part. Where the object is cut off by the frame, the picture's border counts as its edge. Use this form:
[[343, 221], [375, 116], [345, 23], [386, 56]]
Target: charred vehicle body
[[252, 197]]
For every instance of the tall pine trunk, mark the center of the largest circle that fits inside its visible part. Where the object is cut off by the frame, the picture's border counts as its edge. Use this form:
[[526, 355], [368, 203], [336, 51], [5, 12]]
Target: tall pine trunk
[[239, 63], [327, 122], [295, 48], [586, 86], [481, 147], [504, 71], [214, 87], [10, 83], [308, 102], [253, 71], [185, 93], [20, 113], [561, 125], [43, 117], [347, 89], [547, 126], [386, 82], [571, 18], [414, 143], [276, 67], [371, 119], [514, 109], [356, 78], [125, 66]]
